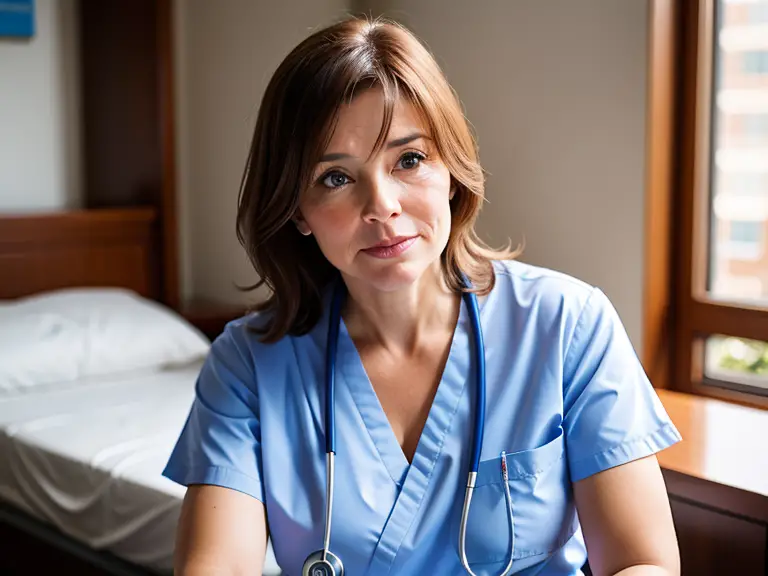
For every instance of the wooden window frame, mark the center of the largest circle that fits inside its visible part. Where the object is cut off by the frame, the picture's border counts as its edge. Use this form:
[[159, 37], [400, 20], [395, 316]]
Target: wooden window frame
[[678, 312]]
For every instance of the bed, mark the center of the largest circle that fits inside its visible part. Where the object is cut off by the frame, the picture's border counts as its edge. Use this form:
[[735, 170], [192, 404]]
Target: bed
[[96, 379]]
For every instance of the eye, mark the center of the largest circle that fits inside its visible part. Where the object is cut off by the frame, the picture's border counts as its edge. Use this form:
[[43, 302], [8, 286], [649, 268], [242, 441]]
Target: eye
[[410, 160], [334, 180]]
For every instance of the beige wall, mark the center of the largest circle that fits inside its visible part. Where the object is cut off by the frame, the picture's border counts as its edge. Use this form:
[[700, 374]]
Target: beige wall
[[554, 88], [226, 51], [556, 92], [39, 114]]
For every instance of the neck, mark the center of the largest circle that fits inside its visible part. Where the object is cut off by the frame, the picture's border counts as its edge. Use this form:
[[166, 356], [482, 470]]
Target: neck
[[401, 320]]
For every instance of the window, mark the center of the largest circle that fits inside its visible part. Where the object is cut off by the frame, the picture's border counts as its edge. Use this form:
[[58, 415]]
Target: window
[[738, 217], [742, 362], [746, 231], [743, 242], [719, 319], [756, 127], [742, 184], [757, 12], [756, 62]]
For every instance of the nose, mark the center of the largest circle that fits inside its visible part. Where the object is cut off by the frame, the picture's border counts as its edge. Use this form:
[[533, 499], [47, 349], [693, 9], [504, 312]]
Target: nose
[[382, 200]]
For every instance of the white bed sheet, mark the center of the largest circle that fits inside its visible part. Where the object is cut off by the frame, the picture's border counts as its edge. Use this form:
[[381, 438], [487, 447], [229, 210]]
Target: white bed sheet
[[87, 457]]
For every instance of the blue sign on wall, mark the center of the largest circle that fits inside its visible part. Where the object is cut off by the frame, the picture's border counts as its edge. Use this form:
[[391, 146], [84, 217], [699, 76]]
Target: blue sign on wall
[[17, 18]]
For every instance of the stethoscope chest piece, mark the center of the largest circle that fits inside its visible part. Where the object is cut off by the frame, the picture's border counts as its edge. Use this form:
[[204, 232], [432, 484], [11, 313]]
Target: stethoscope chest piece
[[315, 565]]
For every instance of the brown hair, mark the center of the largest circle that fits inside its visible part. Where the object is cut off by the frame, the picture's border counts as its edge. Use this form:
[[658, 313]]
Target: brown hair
[[294, 125]]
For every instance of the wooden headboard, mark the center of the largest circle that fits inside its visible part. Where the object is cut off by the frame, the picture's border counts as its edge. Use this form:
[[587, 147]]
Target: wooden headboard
[[103, 247]]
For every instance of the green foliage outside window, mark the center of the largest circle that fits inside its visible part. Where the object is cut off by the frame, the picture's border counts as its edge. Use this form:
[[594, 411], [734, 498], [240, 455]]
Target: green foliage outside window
[[741, 355]]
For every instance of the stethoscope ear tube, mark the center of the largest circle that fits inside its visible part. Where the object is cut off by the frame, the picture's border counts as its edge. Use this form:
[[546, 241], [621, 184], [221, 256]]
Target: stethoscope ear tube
[[479, 345], [330, 474], [330, 365], [477, 442], [324, 562], [464, 517], [470, 490]]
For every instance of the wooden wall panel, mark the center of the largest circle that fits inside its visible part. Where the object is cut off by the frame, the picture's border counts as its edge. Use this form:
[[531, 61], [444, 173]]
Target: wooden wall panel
[[126, 54], [120, 113]]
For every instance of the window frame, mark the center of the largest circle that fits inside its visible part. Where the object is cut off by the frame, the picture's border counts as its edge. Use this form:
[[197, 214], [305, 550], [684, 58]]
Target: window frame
[[679, 314]]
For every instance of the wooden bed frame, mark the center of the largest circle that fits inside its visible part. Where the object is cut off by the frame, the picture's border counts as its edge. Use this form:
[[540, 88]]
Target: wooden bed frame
[[109, 247], [41, 252]]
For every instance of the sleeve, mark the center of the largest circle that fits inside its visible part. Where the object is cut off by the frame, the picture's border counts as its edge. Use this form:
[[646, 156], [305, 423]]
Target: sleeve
[[220, 443], [611, 413]]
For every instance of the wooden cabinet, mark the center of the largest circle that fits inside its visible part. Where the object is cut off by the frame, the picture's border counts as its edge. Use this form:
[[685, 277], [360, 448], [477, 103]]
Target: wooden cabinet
[[714, 542], [717, 480], [210, 317]]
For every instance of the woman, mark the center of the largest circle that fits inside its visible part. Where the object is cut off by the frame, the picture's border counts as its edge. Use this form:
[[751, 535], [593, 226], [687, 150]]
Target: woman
[[361, 192]]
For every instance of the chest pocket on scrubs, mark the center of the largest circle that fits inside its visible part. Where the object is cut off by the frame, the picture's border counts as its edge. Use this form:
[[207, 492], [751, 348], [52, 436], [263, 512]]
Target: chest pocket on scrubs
[[542, 506]]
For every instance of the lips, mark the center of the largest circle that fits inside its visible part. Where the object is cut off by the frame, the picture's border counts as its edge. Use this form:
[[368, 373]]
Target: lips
[[391, 247], [391, 242]]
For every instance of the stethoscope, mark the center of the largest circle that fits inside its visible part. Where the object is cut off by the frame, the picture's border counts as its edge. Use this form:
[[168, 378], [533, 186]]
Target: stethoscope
[[326, 563]]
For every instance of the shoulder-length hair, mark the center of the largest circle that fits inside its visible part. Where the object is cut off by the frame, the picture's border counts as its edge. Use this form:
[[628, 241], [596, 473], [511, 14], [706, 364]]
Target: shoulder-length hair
[[296, 119]]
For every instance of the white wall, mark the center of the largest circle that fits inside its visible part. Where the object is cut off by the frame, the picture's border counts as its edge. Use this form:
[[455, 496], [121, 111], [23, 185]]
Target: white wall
[[40, 147], [225, 54], [556, 91]]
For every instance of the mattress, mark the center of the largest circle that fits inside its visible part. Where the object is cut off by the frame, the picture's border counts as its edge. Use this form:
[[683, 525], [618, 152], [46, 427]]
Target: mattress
[[87, 458]]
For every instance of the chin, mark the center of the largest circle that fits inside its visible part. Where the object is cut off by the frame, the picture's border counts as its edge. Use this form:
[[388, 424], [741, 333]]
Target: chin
[[393, 276]]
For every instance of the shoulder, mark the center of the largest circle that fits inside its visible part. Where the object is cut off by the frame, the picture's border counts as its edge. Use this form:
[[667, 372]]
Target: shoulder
[[241, 344], [547, 303], [545, 290], [238, 348]]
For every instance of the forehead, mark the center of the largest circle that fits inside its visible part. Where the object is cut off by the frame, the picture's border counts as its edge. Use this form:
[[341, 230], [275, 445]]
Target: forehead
[[359, 122]]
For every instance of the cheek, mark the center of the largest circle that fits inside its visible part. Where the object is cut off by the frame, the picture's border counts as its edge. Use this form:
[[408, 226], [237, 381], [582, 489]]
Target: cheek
[[328, 218], [332, 225], [431, 210], [324, 213], [431, 203]]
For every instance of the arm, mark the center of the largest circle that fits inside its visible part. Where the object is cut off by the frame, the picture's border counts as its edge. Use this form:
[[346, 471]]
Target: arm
[[222, 529], [221, 532], [627, 522]]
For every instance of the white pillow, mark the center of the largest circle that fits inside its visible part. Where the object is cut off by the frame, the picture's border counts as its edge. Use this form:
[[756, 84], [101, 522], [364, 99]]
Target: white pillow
[[79, 333]]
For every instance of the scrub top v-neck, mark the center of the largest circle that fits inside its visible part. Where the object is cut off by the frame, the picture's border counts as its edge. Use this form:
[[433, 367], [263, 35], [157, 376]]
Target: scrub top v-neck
[[566, 398]]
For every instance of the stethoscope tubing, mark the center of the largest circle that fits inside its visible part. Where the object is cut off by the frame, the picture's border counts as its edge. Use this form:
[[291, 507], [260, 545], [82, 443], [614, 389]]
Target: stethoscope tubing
[[470, 299]]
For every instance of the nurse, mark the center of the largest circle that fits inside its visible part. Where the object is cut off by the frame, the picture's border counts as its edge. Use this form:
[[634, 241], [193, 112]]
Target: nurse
[[362, 189]]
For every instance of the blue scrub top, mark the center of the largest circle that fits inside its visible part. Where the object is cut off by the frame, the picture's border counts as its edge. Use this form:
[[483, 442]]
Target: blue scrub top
[[566, 398]]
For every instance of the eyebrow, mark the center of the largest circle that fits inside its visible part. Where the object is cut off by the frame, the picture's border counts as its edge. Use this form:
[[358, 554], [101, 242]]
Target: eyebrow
[[331, 157]]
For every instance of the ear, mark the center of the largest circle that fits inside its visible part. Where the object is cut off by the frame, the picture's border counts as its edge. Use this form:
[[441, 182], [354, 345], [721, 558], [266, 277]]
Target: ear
[[452, 192], [301, 224]]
